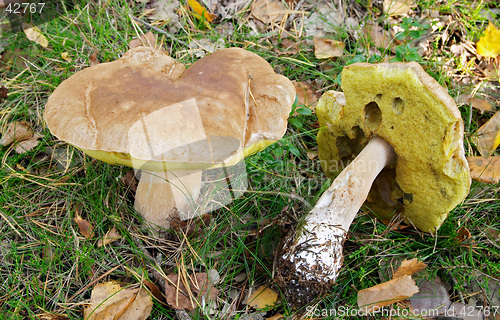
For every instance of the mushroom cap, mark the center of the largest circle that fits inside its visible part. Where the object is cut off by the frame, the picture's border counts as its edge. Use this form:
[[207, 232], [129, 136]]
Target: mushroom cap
[[406, 107], [145, 110]]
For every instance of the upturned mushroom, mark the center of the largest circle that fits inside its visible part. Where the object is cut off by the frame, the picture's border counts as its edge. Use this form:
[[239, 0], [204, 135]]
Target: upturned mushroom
[[399, 136], [149, 112]]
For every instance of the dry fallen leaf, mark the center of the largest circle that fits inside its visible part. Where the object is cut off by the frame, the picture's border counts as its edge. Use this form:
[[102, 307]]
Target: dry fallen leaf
[[485, 169], [463, 234], [201, 11], [267, 11], [85, 227], [327, 48], [481, 105], [110, 236], [181, 297], [3, 93], [397, 7], [148, 40], [489, 44], [386, 293], [262, 297], [66, 57], [34, 34], [28, 144], [432, 295], [128, 179], [110, 301], [93, 58], [381, 37], [409, 268], [488, 136], [15, 132], [305, 94]]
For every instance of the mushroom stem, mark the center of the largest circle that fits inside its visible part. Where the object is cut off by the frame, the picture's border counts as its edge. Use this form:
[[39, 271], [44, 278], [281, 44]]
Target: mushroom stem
[[160, 196], [312, 256]]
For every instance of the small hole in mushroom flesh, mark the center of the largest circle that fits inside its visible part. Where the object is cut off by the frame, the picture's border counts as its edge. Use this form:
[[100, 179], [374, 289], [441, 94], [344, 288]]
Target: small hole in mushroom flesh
[[398, 105], [373, 116]]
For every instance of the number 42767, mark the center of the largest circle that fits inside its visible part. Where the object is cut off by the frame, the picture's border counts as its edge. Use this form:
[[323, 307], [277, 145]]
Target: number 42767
[[25, 7]]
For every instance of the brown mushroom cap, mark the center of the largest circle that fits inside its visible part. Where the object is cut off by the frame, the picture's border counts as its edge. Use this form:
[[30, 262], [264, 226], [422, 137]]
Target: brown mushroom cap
[[402, 104], [147, 110]]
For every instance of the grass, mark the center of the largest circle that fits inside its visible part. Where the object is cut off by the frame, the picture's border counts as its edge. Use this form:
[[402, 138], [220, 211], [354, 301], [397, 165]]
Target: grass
[[47, 268]]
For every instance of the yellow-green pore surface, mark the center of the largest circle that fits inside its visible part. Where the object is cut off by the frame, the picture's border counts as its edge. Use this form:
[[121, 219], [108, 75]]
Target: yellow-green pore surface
[[406, 107]]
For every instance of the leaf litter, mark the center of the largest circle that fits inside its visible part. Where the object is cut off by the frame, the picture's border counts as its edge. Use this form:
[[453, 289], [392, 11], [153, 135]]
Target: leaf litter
[[312, 25]]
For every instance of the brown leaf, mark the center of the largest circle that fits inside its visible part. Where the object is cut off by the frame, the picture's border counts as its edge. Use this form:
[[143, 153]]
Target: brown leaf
[[463, 234], [432, 295], [381, 37], [262, 297], [110, 301], [85, 227], [480, 104], [386, 293], [93, 58], [147, 40], [181, 297], [3, 93], [488, 136], [267, 11], [128, 179], [485, 169], [409, 268], [28, 144], [327, 48], [110, 236], [154, 290], [305, 94], [16, 132]]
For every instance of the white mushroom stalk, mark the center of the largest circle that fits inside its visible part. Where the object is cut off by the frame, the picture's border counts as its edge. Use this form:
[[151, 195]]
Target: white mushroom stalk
[[171, 191], [312, 257]]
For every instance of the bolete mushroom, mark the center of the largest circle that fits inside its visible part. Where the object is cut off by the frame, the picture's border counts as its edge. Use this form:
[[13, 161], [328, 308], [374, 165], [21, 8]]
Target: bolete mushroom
[[407, 134], [149, 112]]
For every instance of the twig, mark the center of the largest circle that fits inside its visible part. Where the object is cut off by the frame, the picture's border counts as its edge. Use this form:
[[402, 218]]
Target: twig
[[171, 37]]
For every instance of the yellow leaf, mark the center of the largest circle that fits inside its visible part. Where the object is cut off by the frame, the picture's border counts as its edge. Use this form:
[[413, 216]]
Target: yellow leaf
[[327, 48], [34, 34], [397, 7], [262, 297], [110, 301], [489, 44], [65, 56], [485, 169], [200, 10], [488, 136]]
